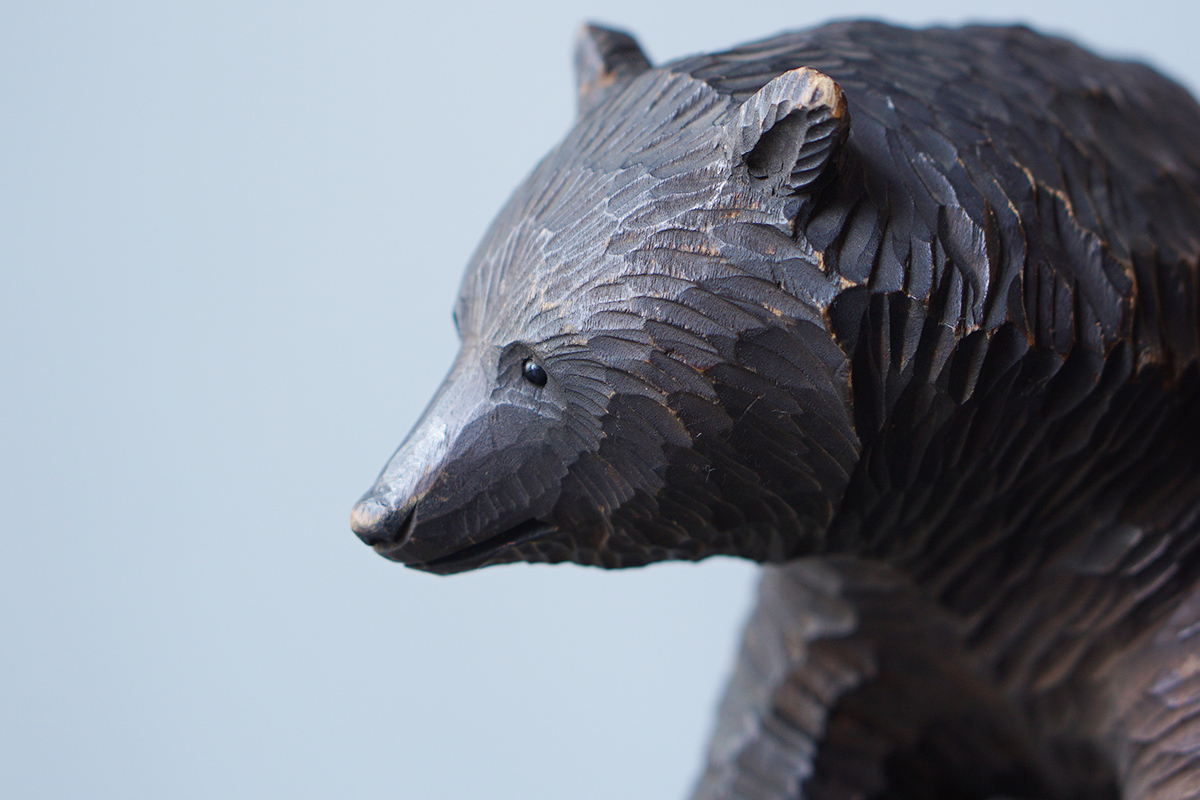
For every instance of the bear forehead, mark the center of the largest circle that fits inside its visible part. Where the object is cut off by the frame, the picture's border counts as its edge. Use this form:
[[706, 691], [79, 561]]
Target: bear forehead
[[634, 190]]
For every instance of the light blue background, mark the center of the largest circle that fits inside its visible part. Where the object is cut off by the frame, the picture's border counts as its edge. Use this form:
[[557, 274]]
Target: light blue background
[[230, 237]]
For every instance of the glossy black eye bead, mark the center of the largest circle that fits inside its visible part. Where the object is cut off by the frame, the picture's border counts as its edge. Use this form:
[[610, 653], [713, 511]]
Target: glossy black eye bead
[[533, 373]]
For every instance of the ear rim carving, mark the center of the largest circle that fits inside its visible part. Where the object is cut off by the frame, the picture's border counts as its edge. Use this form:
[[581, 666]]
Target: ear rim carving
[[808, 114], [605, 58]]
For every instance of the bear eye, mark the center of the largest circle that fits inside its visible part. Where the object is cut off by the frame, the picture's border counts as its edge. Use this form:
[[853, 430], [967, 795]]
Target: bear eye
[[533, 373]]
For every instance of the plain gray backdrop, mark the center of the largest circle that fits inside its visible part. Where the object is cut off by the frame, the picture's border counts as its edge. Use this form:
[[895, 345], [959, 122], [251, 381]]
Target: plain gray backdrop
[[230, 238]]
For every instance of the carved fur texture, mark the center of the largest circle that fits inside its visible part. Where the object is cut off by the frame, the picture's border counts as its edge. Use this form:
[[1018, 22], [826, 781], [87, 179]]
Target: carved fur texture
[[911, 316]]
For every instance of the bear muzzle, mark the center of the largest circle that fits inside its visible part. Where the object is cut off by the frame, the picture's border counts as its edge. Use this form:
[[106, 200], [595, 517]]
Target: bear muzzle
[[381, 526]]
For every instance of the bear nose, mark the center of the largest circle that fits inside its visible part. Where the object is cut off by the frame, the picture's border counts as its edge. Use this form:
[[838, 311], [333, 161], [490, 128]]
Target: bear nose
[[379, 524]]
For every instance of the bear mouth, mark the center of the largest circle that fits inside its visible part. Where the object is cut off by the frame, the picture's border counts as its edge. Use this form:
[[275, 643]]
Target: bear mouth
[[478, 554]]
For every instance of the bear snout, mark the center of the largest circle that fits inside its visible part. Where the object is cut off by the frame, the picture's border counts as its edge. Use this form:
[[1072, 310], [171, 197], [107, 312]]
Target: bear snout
[[380, 525]]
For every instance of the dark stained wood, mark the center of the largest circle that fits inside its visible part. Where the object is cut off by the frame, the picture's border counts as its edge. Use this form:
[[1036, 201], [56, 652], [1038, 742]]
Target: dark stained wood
[[911, 314]]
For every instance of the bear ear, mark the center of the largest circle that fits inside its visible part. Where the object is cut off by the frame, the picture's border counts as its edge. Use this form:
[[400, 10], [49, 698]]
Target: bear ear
[[788, 131], [605, 59]]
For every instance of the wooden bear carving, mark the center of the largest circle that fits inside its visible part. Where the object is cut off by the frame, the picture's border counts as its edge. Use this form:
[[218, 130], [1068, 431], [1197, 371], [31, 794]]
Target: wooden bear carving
[[911, 317]]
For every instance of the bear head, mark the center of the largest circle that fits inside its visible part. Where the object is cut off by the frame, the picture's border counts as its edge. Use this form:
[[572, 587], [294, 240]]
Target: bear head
[[647, 370]]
